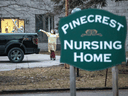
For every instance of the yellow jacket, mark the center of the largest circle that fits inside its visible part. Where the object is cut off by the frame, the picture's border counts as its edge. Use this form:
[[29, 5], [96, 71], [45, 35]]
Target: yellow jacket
[[51, 40]]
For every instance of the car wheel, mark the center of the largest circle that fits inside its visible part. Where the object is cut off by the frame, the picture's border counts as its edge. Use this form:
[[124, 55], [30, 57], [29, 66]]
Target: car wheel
[[16, 55]]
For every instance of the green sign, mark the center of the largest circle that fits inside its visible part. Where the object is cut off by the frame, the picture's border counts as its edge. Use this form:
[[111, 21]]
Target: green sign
[[92, 39]]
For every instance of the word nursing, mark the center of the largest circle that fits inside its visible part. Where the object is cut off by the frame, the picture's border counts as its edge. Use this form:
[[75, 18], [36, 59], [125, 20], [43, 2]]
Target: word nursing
[[94, 45]]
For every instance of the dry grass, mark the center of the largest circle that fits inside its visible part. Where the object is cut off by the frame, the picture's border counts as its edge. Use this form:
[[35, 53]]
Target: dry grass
[[57, 77]]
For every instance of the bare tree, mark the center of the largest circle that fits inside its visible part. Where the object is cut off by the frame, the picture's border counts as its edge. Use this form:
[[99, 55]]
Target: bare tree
[[25, 9], [24, 6], [83, 4]]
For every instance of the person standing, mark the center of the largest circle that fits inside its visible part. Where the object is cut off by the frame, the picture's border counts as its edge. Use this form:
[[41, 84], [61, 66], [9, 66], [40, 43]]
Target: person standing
[[52, 36]]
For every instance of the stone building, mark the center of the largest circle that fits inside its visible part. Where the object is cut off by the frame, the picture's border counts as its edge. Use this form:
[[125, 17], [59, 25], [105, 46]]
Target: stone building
[[119, 8], [35, 15]]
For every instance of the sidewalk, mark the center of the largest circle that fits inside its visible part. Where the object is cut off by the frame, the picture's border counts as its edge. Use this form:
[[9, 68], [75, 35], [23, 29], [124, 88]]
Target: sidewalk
[[78, 93], [29, 61]]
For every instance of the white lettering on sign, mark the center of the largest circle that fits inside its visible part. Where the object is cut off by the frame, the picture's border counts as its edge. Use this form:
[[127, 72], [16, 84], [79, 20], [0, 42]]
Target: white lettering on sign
[[65, 27], [70, 45], [112, 23], [94, 45], [98, 58], [107, 58], [90, 19], [77, 22], [80, 57], [98, 18], [120, 25], [83, 19], [92, 57], [105, 20]]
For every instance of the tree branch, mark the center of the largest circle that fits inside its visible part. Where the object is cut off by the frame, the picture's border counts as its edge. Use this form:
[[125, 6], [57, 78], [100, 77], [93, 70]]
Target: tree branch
[[24, 6]]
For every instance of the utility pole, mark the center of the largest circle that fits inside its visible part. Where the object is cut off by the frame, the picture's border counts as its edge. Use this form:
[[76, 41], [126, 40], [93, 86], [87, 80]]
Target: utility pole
[[72, 81], [66, 14], [66, 7]]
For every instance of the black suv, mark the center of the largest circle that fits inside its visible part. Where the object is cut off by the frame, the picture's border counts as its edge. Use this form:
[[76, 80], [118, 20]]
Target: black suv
[[15, 45]]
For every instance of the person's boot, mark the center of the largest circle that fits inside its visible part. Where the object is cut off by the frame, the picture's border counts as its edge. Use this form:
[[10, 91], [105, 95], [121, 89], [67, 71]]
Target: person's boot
[[54, 59], [50, 57]]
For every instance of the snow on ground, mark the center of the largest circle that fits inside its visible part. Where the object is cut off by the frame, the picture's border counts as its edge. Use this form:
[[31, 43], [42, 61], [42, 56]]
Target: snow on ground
[[29, 61]]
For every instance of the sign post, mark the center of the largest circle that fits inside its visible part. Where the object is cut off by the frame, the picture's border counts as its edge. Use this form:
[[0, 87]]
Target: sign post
[[72, 70], [72, 81], [115, 81]]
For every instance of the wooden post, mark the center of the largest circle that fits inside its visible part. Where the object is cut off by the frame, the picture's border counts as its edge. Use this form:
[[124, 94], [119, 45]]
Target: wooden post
[[78, 72], [115, 81], [66, 66], [106, 77], [72, 81], [66, 7]]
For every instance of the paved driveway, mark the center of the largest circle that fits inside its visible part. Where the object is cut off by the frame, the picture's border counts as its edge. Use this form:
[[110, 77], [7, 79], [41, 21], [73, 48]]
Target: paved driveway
[[29, 61]]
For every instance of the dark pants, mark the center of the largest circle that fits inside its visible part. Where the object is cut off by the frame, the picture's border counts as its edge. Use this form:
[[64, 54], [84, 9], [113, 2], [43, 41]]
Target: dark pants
[[52, 55]]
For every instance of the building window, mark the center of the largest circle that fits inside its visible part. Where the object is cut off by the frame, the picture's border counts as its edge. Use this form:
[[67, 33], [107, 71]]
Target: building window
[[11, 25], [45, 22]]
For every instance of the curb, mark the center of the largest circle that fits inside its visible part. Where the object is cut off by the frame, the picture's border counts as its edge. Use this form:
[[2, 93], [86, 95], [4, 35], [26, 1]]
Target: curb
[[54, 90]]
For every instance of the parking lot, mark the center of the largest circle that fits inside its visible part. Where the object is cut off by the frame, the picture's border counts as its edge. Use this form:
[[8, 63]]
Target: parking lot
[[29, 61]]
